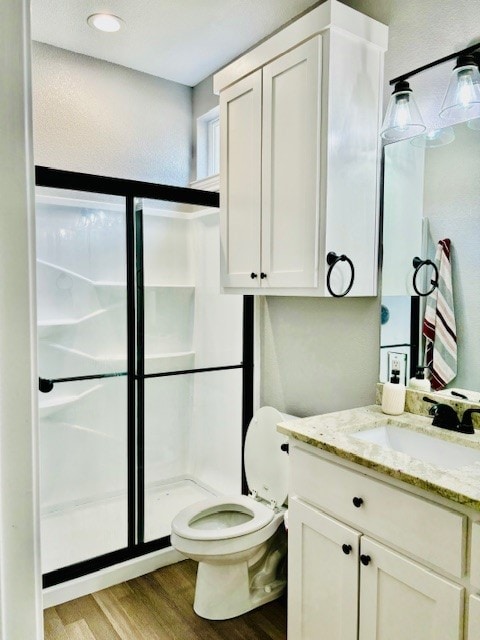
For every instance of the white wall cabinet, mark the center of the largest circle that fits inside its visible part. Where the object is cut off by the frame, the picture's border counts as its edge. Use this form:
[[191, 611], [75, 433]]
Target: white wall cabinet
[[240, 180], [299, 119], [373, 592]]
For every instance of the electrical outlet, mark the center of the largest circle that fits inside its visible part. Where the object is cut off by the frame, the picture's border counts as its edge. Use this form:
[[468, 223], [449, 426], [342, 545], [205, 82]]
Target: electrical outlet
[[397, 362]]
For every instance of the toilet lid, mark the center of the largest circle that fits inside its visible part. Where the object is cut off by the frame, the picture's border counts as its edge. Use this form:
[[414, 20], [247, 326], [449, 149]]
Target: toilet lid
[[266, 465]]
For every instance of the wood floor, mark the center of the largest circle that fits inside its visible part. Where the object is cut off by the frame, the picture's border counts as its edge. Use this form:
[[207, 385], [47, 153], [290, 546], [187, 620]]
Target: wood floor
[[158, 606]]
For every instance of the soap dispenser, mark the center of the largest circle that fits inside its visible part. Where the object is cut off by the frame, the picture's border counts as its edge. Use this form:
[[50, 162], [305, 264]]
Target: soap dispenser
[[393, 397], [420, 382]]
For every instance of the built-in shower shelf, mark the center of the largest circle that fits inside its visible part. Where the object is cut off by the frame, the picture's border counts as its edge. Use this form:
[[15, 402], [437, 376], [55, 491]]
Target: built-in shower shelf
[[49, 405], [160, 362], [77, 276], [45, 326], [154, 363], [108, 283]]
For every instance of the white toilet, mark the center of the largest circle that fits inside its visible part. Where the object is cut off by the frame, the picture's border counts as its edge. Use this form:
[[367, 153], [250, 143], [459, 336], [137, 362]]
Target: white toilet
[[240, 541]]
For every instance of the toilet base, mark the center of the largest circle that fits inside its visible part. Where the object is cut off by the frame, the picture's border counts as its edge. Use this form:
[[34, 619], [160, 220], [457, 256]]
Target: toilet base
[[225, 591]]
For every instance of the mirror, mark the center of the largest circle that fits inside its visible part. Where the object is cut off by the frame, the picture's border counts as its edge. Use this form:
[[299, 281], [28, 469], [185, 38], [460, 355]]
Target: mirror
[[432, 191]]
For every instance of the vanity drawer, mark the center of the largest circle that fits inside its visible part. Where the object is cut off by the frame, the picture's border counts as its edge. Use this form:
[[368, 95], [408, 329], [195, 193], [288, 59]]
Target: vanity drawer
[[424, 529], [475, 555]]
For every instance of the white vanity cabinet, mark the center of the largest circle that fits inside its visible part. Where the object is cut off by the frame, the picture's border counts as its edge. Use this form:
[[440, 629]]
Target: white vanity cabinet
[[299, 165], [400, 599], [322, 577], [474, 618], [404, 575]]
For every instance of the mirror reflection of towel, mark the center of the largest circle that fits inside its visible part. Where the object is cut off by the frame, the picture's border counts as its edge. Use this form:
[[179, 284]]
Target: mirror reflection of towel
[[439, 326]]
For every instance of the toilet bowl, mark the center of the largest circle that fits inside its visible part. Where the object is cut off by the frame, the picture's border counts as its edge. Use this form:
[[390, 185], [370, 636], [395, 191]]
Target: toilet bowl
[[240, 541]]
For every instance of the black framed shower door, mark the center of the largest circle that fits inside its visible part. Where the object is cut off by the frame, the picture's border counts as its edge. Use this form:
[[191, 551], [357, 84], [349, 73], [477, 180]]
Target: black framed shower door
[[135, 373]]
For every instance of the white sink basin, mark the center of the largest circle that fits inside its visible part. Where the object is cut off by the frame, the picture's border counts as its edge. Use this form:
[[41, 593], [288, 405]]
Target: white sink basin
[[421, 446]]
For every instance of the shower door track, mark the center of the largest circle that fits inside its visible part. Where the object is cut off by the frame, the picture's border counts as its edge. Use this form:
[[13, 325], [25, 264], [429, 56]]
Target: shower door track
[[131, 189]]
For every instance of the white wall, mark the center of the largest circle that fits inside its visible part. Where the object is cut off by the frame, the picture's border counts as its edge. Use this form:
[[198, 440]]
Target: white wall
[[20, 604], [96, 117]]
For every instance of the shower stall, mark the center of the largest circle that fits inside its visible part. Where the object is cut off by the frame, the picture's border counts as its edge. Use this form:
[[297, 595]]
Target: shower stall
[[145, 370]]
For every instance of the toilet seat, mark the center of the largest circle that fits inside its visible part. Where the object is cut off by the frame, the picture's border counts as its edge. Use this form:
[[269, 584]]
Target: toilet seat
[[259, 514], [266, 463]]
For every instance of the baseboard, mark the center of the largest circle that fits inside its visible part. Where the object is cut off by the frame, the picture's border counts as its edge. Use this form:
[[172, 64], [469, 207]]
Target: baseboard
[[110, 576]]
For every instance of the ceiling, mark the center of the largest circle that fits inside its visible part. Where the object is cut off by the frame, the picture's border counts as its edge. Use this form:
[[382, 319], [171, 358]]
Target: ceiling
[[181, 40]]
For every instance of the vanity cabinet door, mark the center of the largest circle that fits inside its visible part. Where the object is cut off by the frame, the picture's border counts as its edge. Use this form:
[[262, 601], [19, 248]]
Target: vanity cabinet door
[[322, 576], [291, 167], [240, 181], [474, 618], [400, 599]]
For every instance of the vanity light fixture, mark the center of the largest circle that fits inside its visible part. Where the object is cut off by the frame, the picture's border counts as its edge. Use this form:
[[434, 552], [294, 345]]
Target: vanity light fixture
[[105, 22], [403, 119], [462, 100]]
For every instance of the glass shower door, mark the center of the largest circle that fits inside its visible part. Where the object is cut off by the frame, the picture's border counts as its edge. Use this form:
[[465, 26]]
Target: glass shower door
[[190, 366], [82, 348]]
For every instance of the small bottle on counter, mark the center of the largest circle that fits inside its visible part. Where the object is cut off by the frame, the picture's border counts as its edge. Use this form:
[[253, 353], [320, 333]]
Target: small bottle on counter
[[393, 397], [420, 382]]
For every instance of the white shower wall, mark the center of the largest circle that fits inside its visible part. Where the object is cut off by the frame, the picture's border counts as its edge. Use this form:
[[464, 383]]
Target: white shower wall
[[192, 422]]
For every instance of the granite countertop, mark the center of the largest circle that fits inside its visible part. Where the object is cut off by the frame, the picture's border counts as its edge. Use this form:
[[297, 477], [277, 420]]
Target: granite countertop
[[333, 432]]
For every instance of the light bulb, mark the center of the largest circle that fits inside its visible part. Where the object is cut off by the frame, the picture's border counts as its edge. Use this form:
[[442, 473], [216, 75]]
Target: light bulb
[[403, 119], [105, 22], [466, 93], [462, 100]]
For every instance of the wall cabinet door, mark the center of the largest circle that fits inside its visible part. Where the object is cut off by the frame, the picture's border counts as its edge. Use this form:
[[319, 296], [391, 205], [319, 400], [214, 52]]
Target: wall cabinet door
[[291, 167], [474, 618], [323, 579], [399, 599], [240, 181]]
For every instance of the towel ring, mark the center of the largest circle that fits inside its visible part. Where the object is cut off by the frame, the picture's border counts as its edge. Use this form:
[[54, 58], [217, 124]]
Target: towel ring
[[418, 263], [332, 260]]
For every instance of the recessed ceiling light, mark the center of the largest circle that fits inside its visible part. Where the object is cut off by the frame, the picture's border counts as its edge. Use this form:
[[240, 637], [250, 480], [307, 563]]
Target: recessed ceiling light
[[104, 22]]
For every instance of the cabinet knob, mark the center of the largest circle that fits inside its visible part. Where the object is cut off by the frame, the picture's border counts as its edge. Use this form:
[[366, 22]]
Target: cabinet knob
[[346, 548], [253, 275], [357, 501], [365, 560], [263, 275], [285, 447]]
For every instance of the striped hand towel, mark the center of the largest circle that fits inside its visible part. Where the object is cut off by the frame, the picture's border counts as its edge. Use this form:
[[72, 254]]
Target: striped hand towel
[[439, 326]]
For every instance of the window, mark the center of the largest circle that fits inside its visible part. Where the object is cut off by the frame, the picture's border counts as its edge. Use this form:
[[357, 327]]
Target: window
[[208, 144]]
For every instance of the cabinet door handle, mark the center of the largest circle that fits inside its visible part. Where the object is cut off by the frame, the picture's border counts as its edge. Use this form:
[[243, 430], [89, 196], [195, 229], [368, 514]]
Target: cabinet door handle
[[418, 263], [263, 275], [357, 501], [346, 548], [365, 560], [332, 260], [253, 275]]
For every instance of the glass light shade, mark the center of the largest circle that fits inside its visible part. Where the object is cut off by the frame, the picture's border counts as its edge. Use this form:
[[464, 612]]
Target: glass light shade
[[474, 124], [462, 100], [434, 138], [403, 119]]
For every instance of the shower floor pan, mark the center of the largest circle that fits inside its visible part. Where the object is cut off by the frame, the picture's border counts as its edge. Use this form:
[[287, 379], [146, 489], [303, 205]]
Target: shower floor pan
[[78, 533]]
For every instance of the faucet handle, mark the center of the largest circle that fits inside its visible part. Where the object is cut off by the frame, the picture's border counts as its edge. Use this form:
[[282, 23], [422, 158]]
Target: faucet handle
[[467, 424], [444, 416]]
